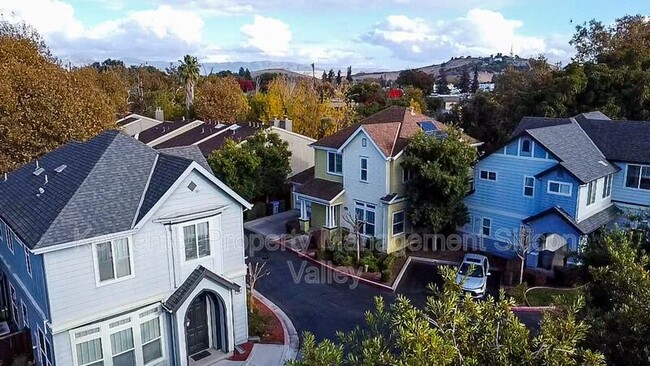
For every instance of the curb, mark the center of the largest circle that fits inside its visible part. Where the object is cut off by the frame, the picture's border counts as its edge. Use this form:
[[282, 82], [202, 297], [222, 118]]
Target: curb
[[531, 309], [291, 339], [392, 288]]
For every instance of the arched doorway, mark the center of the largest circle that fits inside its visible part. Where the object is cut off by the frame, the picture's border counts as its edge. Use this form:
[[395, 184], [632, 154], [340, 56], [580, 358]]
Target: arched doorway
[[205, 325]]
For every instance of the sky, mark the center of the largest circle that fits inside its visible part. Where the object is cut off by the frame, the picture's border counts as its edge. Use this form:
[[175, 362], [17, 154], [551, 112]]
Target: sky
[[367, 34]]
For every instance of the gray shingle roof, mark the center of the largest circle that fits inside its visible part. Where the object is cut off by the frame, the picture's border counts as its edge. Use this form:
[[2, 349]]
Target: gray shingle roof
[[181, 294], [99, 191], [587, 226], [627, 141], [191, 152], [565, 139]]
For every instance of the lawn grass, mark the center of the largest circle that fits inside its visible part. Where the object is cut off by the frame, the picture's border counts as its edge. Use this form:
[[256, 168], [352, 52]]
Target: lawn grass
[[544, 296]]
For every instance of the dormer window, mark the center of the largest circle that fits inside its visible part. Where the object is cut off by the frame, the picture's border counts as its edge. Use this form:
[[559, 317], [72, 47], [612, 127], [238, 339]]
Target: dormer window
[[526, 147]]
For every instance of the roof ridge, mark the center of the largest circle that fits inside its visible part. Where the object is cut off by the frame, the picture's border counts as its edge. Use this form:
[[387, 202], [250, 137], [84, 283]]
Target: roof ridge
[[573, 120], [114, 133], [144, 191], [399, 131]]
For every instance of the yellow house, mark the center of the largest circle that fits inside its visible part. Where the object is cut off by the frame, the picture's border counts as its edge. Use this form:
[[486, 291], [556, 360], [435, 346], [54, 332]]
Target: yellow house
[[357, 175]]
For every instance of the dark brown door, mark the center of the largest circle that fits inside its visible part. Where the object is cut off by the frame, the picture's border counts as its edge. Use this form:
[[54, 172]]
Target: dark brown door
[[196, 326]]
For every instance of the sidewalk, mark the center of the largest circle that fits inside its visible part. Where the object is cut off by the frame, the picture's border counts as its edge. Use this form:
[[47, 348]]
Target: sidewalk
[[271, 354]]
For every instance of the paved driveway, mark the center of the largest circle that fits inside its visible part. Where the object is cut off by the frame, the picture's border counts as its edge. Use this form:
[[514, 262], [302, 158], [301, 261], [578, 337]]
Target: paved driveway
[[316, 301]]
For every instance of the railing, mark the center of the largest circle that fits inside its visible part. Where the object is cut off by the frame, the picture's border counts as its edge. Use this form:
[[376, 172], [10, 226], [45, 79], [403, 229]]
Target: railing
[[14, 345]]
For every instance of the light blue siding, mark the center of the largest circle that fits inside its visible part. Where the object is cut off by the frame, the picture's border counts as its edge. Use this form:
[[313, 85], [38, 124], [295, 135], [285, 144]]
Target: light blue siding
[[620, 193]]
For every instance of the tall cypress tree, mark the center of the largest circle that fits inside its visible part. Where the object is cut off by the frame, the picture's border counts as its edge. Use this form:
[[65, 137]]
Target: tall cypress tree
[[442, 85], [465, 83], [348, 77], [475, 83]]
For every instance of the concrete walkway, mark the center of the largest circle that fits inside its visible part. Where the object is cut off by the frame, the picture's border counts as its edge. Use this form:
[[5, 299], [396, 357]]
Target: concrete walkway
[[271, 354]]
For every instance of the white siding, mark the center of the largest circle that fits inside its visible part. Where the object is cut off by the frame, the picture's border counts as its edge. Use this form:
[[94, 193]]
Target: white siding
[[601, 203], [376, 186], [75, 298]]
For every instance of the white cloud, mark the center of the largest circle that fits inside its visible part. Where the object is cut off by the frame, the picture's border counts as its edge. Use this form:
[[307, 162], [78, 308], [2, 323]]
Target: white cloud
[[48, 16], [269, 35], [480, 32]]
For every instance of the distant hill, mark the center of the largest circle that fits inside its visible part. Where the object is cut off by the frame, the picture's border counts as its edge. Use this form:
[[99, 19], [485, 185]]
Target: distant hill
[[487, 67]]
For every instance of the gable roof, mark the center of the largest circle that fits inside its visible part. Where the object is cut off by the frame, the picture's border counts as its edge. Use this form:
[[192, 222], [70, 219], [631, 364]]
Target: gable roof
[[108, 182], [183, 292], [566, 140], [390, 130], [627, 141], [587, 226]]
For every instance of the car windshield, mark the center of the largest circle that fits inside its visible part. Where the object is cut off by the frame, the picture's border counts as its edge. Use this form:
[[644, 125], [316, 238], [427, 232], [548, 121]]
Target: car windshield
[[471, 270]]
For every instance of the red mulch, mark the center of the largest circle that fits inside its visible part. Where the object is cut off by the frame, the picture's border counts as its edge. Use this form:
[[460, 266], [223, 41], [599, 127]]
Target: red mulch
[[275, 333], [248, 347]]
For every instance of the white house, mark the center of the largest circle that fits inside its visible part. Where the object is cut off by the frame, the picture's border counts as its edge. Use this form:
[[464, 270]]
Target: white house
[[135, 255]]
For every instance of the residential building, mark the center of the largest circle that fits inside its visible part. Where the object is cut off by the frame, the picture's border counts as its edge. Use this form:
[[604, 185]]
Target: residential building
[[357, 174], [210, 136], [113, 253], [133, 123], [556, 181]]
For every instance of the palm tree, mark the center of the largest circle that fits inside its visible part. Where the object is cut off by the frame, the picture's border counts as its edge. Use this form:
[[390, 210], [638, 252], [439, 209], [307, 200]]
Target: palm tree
[[189, 74]]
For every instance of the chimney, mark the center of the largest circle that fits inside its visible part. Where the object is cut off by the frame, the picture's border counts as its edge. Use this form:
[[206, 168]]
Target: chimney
[[288, 124], [159, 114]]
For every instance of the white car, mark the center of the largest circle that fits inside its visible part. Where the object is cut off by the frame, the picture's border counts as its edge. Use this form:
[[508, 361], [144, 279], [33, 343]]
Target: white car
[[472, 275]]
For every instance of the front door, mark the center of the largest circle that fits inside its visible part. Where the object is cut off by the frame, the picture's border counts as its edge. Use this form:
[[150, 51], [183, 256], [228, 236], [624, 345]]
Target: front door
[[196, 326]]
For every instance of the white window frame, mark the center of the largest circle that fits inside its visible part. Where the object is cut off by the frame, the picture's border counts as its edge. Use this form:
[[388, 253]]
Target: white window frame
[[403, 222], [329, 168], [43, 347], [24, 312], [28, 261], [133, 320], [592, 187], [13, 299], [487, 172], [607, 189], [638, 183], [530, 147], [489, 226], [195, 223], [160, 337], [366, 207], [362, 170], [559, 192], [98, 281], [532, 195], [364, 142]]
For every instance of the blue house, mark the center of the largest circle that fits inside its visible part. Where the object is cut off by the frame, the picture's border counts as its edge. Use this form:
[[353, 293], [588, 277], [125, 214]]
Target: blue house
[[113, 253], [556, 181]]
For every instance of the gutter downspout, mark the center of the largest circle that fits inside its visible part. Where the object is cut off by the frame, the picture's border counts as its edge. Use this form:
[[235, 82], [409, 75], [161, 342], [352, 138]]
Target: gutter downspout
[[170, 245]]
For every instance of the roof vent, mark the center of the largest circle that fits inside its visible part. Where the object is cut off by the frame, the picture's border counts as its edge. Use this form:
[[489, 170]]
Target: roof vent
[[38, 171], [603, 163], [60, 168], [40, 192]]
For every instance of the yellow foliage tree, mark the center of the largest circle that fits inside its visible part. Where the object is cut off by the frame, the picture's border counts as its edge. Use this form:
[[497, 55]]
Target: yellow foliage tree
[[42, 105], [313, 115], [220, 99], [113, 83]]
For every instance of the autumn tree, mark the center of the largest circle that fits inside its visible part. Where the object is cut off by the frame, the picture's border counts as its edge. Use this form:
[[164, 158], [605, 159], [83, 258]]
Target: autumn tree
[[112, 80], [220, 99], [43, 105]]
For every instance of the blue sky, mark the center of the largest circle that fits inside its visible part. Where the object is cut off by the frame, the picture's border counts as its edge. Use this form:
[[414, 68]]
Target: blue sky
[[380, 34]]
